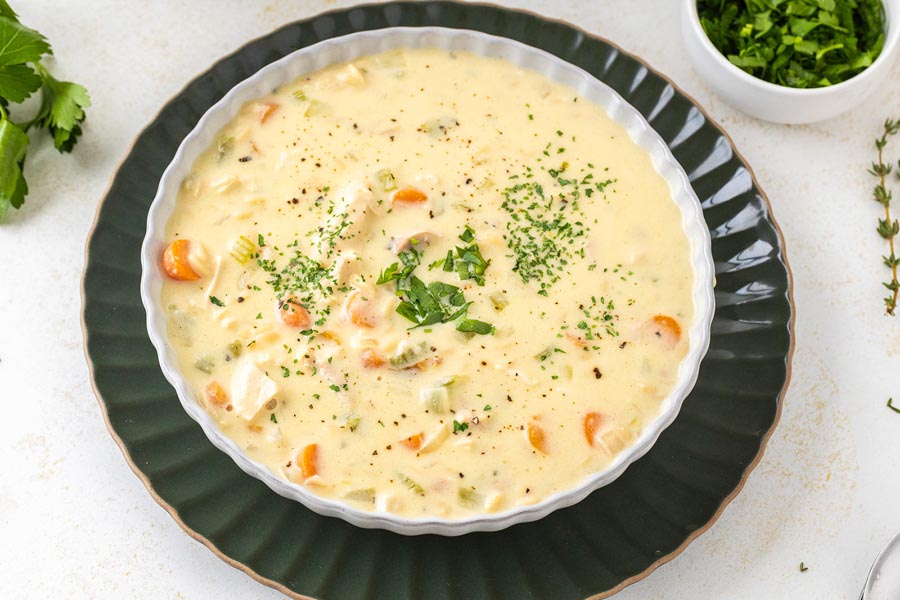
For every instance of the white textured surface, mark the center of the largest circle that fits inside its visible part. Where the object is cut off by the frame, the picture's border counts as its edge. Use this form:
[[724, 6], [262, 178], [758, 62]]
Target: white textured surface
[[76, 523]]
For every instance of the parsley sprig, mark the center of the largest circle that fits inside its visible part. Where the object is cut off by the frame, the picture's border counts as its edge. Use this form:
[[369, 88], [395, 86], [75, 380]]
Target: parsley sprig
[[437, 302], [796, 43], [61, 110], [888, 227]]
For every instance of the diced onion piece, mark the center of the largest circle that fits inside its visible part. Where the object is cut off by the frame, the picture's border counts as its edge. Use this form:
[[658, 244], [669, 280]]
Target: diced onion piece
[[435, 399], [435, 439]]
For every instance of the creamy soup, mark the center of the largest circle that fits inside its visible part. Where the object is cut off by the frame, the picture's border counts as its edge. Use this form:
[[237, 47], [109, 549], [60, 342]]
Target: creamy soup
[[428, 283]]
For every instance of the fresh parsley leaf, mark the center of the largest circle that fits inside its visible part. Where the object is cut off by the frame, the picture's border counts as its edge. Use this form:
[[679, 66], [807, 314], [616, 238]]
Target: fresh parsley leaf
[[13, 144], [19, 44], [457, 426], [62, 110], [475, 326], [18, 82], [7, 11], [797, 43], [216, 301]]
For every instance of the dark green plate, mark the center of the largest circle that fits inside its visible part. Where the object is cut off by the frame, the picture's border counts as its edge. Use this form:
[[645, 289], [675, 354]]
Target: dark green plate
[[619, 533]]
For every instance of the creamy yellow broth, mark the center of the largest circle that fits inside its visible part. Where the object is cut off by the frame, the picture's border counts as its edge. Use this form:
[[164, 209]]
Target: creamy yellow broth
[[567, 257]]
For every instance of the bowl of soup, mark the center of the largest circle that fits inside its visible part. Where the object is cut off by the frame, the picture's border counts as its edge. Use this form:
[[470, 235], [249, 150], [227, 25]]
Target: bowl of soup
[[428, 280]]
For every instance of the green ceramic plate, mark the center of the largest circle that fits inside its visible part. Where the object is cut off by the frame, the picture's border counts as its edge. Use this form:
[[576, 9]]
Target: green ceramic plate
[[614, 537]]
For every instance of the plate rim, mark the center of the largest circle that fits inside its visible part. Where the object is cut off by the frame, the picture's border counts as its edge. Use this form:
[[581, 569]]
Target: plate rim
[[791, 322]]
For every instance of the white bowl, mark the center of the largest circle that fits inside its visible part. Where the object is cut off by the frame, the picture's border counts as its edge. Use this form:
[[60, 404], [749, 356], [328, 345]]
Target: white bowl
[[779, 103], [360, 44]]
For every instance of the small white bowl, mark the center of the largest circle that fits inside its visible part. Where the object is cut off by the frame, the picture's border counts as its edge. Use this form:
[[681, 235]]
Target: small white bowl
[[347, 48], [778, 103]]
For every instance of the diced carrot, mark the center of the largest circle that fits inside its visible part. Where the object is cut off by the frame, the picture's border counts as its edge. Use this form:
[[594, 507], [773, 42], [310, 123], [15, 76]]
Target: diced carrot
[[536, 437], [362, 319], [175, 261], [413, 442], [265, 110], [409, 195], [371, 359], [666, 329], [215, 394], [308, 460], [293, 314], [592, 423]]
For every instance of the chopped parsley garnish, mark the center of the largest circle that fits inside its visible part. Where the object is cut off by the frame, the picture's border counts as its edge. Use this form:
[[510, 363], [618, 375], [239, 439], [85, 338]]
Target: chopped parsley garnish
[[303, 279], [334, 387], [216, 301], [273, 418], [468, 261], [546, 231], [487, 407], [285, 372], [457, 426], [890, 405], [799, 43]]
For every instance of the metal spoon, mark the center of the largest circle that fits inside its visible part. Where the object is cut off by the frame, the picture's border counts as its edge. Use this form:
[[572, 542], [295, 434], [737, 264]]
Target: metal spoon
[[883, 582]]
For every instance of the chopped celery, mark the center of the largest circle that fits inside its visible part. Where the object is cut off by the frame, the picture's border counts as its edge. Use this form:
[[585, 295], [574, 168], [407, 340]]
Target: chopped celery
[[242, 250], [499, 300], [315, 108], [299, 95], [204, 364], [387, 180], [412, 485], [224, 147], [353, 422], [364, 495], [469, 497], [409, 355], [438, 127], [235, 349]]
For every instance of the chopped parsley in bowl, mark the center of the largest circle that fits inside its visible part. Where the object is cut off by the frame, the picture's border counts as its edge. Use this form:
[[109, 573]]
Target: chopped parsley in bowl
[[792, 61], [797, 43]]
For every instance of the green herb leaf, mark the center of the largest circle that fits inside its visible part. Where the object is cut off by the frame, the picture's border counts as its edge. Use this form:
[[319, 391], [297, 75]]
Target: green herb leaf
[[18, 82], [13, 144], [19, 44], [7, 11], [890, 405], [475, 326], [796, 43], [62, 110], [216, 301], [457, 426]]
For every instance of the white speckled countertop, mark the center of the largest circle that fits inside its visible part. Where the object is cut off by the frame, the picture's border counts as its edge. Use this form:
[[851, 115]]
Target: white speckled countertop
[[76, 523]]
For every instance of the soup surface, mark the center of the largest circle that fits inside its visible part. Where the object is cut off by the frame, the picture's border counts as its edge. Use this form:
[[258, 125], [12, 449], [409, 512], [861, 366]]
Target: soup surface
[[428, 283]]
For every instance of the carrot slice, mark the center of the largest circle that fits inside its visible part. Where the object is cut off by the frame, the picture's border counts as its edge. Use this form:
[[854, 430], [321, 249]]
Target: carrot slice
[[592, 423], [308, 460], [666, 329], [215, 394], [409, 195], [413, 442], [536, 437], [175, 261], [371, 359], [292, 313], [265, 110]]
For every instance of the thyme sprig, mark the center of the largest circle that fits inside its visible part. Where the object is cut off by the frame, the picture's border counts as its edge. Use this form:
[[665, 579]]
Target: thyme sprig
[[888, 228]]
